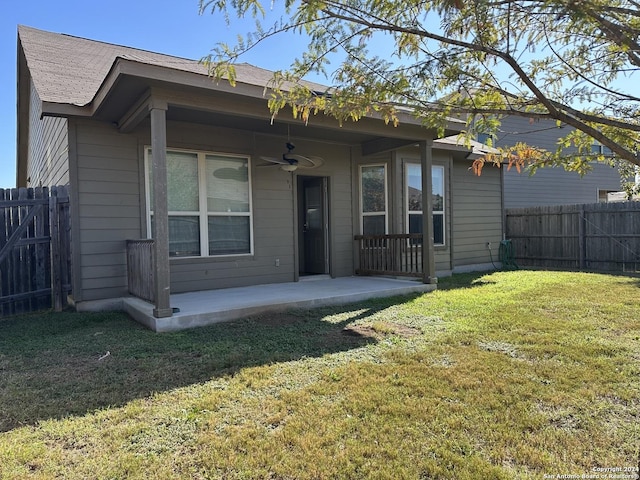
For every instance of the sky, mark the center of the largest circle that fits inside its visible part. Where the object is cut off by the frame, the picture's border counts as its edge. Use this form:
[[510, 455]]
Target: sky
[[174, 27]]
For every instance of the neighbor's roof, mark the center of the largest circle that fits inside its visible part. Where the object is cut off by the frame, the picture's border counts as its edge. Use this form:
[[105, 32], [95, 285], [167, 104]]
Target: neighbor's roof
[[456, 142], [69, 70]]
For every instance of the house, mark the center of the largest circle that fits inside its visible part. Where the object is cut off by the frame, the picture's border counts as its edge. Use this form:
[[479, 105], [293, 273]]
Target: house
[[553, 185], [149, 143]]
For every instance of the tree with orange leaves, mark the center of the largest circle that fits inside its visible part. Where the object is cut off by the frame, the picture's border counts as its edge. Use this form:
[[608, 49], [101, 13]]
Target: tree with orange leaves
[[477, 59]]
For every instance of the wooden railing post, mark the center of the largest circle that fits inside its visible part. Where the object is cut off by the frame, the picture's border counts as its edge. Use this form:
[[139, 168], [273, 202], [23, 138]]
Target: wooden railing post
[[141, 268], [393, 255]]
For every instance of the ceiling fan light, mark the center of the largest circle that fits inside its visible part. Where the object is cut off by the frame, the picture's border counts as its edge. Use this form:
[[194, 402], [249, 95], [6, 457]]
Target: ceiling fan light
[[289, 168]]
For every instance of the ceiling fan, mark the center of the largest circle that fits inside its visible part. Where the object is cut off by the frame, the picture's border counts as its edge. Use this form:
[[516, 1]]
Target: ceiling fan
[[292, 161]]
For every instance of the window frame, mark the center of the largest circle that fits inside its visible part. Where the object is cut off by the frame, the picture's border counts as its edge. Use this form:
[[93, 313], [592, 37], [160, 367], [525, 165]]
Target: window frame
[[386, 197], [599, 149], [421, 212], [203, 213]]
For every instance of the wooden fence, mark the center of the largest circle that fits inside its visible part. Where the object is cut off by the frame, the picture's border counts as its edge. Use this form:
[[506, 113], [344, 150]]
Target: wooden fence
[[601, 236], [35, 260]]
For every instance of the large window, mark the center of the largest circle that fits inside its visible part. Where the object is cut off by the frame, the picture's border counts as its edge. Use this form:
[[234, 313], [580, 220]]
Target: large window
[[373, 199], [414, 200], [209, 203]]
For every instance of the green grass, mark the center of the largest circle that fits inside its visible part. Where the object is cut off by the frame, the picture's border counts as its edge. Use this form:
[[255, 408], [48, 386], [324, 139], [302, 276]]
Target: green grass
[[507, 375]]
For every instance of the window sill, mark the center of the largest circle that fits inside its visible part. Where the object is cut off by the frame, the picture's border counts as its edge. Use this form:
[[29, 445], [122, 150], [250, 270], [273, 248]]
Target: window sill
[[247, 257]]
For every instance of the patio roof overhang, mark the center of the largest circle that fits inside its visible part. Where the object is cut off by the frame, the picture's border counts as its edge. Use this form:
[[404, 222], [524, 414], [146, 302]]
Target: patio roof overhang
[[126, 92], [133, 91]]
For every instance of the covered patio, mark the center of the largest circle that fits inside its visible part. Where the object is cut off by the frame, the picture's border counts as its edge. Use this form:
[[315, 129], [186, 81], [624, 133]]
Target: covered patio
[[196, 309]]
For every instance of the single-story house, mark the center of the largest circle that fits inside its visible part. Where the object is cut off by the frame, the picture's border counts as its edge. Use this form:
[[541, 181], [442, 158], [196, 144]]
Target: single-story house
[[151, 146]]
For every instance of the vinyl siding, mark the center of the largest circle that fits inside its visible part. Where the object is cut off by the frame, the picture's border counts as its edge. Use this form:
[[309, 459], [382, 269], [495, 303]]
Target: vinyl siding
[[549, 186], [48, 148], [341, 228], [476, 214], [112, 208], [109, 207], [556, 186]]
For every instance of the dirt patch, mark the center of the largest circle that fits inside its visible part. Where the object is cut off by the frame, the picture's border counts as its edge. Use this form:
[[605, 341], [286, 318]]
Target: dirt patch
[[405, 330], [360, 331], [381, 329]]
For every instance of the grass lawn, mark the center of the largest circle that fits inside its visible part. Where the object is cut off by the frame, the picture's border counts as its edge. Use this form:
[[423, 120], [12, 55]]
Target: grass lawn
[[511, 375]]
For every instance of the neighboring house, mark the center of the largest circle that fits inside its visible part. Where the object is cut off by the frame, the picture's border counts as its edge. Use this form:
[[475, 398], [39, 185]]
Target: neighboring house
[[550, 186], [98, 116]]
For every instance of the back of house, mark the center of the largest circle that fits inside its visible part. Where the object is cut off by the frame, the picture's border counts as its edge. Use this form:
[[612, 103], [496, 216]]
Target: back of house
[[90, 112]]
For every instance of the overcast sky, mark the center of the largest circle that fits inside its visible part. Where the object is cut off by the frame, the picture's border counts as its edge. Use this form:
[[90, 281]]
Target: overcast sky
[[173, 27]]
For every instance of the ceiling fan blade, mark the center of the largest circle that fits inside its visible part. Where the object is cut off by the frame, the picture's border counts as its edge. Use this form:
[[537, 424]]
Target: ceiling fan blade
[[317, 161], [308, 162], [279, 161], [294, 158]]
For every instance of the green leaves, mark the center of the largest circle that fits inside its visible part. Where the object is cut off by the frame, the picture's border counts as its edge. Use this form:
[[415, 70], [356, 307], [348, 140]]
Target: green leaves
[[481, 58]]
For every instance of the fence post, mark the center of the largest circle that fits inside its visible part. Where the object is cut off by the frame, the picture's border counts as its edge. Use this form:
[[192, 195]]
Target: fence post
[[41, 279], [582, 245], [54, 231]]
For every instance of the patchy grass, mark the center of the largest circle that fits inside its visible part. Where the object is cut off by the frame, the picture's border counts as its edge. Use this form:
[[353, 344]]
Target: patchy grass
[[507, 375]]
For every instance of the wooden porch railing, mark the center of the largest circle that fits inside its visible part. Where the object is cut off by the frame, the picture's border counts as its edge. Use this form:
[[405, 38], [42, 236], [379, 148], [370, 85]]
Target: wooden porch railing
[[140, 272], [396, 254]]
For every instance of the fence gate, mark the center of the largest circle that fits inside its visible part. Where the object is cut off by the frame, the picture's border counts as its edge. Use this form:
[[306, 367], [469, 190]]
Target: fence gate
[[35, 260]]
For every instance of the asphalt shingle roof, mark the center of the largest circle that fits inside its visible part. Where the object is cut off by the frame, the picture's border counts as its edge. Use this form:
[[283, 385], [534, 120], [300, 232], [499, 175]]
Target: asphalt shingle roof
[[67, 69]]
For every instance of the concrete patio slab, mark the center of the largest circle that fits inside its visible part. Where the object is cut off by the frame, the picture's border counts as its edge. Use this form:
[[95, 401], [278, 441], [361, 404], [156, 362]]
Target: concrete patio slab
[[198, 309]]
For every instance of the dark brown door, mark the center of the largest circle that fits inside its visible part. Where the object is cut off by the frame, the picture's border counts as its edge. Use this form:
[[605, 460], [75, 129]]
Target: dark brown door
[[314, 227]]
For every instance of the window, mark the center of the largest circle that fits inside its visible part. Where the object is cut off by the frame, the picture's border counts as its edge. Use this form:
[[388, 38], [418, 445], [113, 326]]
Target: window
[[606, 195], [373, 199], [598, 148], [414, 200], [209, 203]]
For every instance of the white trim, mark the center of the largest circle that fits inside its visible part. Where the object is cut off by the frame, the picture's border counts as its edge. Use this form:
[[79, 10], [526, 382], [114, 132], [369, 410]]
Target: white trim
[[363, 214], [203, 214], [202, 205]]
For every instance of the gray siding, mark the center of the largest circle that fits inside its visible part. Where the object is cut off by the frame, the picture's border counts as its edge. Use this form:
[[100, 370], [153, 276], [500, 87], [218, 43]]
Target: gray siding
[[539, 133], [48, 149], [556, 186], [111, 199], [109, 207], [549, 186], [112, 208], [477, 214], [341, 227]]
